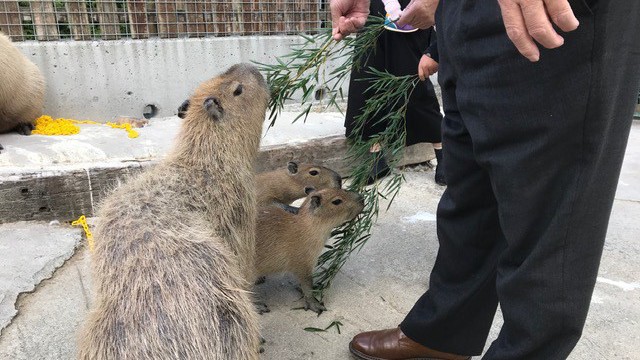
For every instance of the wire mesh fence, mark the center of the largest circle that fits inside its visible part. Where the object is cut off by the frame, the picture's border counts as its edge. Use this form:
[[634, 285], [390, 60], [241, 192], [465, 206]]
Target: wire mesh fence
[[140, 19]]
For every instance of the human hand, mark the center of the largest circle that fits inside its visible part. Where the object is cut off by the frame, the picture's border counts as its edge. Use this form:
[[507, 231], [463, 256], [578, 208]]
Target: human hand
[[427, 67], [419, 14], [529, 20], [347, 16]]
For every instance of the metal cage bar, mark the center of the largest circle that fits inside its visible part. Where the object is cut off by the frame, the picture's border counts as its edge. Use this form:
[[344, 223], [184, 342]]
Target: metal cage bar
[[142, 19]]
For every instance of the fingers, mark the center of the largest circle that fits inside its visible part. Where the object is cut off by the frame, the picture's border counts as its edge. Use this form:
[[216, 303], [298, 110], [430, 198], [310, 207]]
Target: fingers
[[347, 26], [529, 20], [342, 28], [336, 14], [431, 69], [408, 18], [415, 19], [517, 31], [561, 14], [347, 17], [419, 14], [423, 67], [426, 67], [355, 23], [336, 35], [538, 24]]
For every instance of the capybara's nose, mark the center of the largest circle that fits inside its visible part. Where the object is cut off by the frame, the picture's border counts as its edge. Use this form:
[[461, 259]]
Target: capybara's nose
[[210, 101], [213, 106]]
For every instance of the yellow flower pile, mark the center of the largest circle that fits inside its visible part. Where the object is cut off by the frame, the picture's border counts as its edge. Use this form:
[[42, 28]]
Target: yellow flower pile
[[46, 125]]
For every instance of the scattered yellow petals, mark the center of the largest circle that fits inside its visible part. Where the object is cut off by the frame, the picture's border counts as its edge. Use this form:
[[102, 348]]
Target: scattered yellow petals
[[132, 133], [46, 125], [82, 221]]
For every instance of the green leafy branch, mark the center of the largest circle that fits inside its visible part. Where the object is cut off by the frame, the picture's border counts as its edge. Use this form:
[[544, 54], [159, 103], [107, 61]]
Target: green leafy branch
[[304, 70], [389, 100]]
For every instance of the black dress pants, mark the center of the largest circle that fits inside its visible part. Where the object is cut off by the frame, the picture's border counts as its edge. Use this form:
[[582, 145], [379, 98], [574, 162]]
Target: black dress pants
[[532, 158]]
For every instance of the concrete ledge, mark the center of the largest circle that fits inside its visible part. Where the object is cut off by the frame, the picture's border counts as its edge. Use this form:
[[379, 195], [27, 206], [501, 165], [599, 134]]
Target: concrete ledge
[[65, 194], [62, 177]]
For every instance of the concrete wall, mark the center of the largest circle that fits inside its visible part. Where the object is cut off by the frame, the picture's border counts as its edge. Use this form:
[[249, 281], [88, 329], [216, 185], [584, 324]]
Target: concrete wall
[[100, 80]]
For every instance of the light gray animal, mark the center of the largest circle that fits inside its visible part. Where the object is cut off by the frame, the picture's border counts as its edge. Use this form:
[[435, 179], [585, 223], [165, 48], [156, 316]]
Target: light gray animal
[[22, 90], [175, 246]]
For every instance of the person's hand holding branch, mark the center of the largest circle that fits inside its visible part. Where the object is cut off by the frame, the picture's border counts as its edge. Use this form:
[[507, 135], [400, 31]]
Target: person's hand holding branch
[[348, 16], [419, 14]]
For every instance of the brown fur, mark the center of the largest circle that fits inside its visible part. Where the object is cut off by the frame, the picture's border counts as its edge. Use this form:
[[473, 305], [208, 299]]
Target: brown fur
[[290, 242], [175, 245], [295, 182], [22, 89]]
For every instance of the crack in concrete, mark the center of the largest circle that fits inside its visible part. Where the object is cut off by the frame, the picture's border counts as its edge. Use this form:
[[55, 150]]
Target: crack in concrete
[[54, 263], [45, 279], [85, 293]]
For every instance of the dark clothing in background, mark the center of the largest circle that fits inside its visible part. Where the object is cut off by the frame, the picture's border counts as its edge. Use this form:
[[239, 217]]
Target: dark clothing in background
[[534, 152], [432, 50], [398, 54]]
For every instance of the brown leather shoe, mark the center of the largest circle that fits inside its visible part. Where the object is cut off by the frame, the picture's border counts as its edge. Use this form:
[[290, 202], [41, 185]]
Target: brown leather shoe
[[392, 344]]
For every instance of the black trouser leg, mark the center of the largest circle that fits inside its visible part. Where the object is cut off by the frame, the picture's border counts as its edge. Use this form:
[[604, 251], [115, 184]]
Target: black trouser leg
[[462, 291], [550, 139]]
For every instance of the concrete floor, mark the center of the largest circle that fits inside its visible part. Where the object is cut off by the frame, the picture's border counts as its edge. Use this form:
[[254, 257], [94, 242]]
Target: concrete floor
[[375, 289]]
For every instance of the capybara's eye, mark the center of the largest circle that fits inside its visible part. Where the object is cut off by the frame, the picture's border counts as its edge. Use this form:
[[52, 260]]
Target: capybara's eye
[[337, 202], [238, 90], [313, 172]]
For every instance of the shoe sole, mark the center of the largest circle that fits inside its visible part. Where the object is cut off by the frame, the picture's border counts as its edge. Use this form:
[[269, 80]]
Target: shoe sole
[[360, 356]]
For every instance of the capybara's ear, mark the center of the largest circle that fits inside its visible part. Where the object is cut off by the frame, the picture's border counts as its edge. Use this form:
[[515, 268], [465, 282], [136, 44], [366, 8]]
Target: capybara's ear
[[316, 200], [213, 107], [293, 167], [238, 90], [182, 110]]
